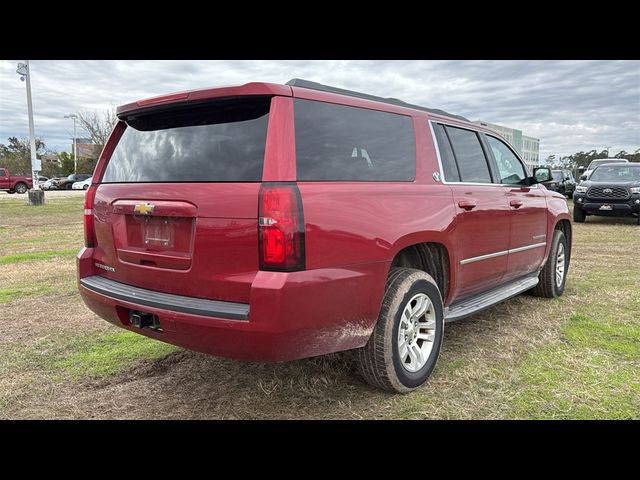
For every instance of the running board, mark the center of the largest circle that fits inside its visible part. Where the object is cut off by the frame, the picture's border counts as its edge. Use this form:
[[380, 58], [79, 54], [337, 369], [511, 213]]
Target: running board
[[474, 304]]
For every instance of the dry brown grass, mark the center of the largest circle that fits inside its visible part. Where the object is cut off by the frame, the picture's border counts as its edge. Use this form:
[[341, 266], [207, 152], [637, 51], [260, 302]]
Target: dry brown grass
[[479, 374]]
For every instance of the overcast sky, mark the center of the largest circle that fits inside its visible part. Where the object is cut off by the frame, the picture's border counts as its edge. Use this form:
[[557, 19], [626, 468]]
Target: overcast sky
[[569, 105]]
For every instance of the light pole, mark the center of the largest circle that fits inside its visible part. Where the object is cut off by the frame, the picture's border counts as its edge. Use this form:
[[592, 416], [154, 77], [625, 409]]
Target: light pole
[[75, 145], [25, 73], [608, 149]]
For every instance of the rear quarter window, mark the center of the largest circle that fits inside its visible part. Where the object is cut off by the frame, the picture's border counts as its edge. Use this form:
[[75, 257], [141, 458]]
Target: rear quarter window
[[343, 143], [219, 142]]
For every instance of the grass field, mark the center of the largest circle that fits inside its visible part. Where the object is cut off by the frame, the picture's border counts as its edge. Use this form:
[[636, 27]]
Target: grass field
[[577, 357]]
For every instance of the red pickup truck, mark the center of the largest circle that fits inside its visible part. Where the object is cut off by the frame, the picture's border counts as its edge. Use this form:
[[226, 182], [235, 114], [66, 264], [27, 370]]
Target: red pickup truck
[[14, 183], [275, 222]]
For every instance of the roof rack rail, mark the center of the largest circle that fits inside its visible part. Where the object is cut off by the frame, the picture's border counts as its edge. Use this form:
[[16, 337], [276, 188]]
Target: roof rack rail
[[298, 82]]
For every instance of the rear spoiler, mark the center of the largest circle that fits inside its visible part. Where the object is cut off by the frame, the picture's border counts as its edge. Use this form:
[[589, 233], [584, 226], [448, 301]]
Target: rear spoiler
[[194, 97]]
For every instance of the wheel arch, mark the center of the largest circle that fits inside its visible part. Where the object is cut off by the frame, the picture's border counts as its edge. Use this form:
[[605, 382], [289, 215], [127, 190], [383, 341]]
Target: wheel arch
[[429, 253], [564, 225]]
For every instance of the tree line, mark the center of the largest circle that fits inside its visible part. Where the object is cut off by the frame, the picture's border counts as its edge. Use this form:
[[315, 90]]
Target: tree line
[[583, 159], [15, 154]]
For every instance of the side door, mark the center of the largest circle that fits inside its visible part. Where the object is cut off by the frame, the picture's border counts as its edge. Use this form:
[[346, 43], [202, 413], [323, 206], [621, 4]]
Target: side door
[[480, 230], [4, 179], [528, 210]]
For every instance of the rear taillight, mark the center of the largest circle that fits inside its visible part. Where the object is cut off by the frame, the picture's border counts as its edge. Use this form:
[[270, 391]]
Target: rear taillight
[[89, 232], [281, 228]]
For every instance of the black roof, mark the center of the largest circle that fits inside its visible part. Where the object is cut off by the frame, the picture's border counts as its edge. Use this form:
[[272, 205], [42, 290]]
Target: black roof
[[298, 82]]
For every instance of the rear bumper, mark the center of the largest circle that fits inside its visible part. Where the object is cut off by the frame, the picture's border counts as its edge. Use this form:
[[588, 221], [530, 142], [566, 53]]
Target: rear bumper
[[289, 316]]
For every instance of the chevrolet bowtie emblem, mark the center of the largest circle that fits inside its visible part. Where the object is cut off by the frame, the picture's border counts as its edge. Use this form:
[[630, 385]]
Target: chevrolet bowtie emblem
[[144, 208]]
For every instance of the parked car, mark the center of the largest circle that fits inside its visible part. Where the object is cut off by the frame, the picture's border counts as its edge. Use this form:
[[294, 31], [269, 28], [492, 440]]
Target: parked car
[[68, 182], [598, 162], [50, 184], [562, 181], [212, 223], [41, 181], [612, 189], [14, 183], [83, 185]]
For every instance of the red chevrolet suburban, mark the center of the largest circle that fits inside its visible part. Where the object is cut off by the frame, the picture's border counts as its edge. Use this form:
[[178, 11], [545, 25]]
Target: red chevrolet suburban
[[272, 222]]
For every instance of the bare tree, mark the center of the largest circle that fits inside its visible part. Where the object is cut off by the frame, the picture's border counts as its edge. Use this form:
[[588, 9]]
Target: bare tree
[[98, 126]]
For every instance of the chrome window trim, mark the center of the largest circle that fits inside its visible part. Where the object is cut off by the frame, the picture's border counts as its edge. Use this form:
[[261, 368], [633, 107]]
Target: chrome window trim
[[501, 253], [444, 180]]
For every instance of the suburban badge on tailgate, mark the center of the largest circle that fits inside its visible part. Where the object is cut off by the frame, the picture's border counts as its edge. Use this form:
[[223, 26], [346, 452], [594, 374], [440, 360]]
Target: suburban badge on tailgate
[[144, 208], [104, 267]]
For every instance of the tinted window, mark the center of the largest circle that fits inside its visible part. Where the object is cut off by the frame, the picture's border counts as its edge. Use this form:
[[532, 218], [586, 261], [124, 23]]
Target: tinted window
[[510, 169], [224, 141], [557, 176], [449, 167], [2, 174], [337, 142], [469, 155]]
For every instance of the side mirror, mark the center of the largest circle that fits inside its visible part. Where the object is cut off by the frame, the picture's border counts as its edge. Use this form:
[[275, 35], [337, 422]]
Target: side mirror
[[541, 174], [583, 177]]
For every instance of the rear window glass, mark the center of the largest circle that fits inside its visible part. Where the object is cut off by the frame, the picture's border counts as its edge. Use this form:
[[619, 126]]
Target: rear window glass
[[220, 142], [470, 156], [342, 143]]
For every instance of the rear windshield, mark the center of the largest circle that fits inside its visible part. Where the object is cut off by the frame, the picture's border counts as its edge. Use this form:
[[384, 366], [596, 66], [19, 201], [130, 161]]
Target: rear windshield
[[219, 142], [557, 176]]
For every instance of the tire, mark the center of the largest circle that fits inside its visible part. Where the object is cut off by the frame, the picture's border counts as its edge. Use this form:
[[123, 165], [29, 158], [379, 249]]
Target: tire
[[85, 187], [379, 361], [10, 192], [68, 186], [548, 286], [21, 188], [570, 194], [579, 216]]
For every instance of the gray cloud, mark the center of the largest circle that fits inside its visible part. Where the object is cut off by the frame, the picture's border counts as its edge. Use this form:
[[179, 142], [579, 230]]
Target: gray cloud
[[569, 105]]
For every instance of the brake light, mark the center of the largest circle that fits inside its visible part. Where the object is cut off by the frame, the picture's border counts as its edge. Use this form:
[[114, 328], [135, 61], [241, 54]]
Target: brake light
[[281, 228], [89, 232]]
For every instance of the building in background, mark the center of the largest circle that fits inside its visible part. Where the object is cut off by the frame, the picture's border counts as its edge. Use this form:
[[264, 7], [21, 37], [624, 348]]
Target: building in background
[[86, 148], [527, 147]]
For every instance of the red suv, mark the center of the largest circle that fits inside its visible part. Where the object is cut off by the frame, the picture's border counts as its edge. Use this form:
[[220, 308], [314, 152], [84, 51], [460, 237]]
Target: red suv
[[275, 222]]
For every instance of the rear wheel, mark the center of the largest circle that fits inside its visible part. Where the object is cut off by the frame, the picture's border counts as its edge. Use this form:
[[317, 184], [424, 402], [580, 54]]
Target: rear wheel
[[579, 216], [405, 343], [570, 194], [84, 187], [21, 188], [68, 186], [554, 273]]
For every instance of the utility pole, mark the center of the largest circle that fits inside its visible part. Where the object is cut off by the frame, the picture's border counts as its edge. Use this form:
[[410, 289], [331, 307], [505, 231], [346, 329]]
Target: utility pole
[[34, 198], [75, 143]]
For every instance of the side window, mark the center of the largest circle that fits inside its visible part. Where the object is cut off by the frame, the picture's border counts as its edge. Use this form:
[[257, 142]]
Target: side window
[[449, 167], [343, 143], [2, 174], [469, 155], [511, 170]]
